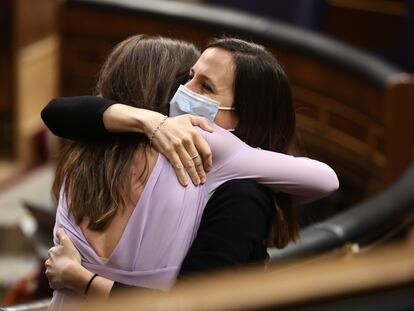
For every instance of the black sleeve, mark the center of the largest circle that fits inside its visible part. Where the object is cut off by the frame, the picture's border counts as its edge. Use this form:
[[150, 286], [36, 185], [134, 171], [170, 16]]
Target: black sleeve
[[77, 118], [235, 222]]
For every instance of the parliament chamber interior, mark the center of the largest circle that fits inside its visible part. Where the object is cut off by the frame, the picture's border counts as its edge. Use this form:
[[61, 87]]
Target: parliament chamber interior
[[350, 64]]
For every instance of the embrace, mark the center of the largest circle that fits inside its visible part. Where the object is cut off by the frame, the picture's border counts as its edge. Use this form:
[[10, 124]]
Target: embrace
[[127, 216]]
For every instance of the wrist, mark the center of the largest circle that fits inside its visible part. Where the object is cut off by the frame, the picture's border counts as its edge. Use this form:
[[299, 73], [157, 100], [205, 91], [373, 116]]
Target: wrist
[[88, 286], [148, 120], [120, 118], [76, 277], [99, 287]]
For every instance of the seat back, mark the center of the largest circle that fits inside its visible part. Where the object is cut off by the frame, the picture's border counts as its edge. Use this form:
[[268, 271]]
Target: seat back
[[365, 221]]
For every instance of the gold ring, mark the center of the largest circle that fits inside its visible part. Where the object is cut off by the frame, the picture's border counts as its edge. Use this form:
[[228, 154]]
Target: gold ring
[[194, 157]]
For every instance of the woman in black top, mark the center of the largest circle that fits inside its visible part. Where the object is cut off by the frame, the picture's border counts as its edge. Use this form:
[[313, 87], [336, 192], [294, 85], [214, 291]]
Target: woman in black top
[[232, 246], [236, 219]]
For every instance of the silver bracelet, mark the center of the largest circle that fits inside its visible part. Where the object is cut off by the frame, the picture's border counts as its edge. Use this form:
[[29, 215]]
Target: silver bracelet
[[156, 129]]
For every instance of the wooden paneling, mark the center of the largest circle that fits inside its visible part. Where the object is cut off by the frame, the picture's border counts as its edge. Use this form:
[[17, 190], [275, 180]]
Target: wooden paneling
[[399, 137], [33, 20], [88, 39], [369, 24], [343, 136], [343, 119], [25, 74], [6, 81], [37, 73]]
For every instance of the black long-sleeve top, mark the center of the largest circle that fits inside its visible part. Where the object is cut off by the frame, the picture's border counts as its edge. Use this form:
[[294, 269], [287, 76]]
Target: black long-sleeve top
[[77, 118], [235, 221]]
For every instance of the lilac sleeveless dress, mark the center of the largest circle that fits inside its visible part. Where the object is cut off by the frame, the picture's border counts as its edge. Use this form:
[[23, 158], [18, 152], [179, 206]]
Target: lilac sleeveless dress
[[166, 218]]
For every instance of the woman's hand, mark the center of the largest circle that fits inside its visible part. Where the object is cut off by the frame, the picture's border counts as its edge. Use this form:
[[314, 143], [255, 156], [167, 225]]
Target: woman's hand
[[184, 147], [176, 139], [63, 266]]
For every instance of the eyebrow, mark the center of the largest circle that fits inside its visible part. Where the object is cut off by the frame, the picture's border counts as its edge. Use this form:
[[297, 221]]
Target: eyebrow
[[206, 78]]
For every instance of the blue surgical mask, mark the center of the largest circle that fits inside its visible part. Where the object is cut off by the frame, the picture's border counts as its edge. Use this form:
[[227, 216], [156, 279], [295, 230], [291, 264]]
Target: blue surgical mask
[[187, 101]]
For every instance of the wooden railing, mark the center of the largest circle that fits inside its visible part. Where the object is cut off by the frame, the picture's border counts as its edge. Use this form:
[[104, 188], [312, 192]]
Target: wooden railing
[[341, 280]]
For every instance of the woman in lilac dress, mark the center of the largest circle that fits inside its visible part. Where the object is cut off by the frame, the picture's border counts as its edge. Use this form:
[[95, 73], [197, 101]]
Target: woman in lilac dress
[[136, 228]]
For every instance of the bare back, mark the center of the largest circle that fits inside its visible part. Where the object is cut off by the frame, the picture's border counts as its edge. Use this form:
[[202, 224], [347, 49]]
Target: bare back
[[104, 242]]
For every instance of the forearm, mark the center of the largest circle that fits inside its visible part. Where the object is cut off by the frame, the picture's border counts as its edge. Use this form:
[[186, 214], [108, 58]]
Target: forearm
[[100, 287], [77, 278], [126, 119], [302, 178], [91, 117]]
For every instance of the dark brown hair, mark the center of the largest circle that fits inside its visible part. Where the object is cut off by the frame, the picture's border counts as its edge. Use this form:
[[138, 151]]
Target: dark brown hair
[[263, 105], [143, 72]]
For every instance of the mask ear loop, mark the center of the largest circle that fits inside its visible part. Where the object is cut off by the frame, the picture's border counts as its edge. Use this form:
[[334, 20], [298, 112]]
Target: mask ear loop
[[227, 108]]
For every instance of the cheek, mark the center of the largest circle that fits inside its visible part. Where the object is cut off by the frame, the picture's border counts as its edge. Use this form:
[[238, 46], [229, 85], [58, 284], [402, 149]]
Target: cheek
[[226, 100], [226, 119]]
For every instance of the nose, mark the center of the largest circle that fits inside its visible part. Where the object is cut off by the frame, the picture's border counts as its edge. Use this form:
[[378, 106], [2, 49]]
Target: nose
[[191, 85]]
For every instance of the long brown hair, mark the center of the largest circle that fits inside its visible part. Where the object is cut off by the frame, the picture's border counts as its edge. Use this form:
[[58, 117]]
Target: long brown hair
[[263, 105], [143, 72]]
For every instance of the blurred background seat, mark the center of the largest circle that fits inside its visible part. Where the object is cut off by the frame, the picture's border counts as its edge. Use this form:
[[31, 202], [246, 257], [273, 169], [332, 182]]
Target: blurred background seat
[[382, 216]]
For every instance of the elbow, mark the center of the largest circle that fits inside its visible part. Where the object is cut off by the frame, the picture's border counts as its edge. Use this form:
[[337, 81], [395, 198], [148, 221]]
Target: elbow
[[322, 184], [48, 111], [45, 113], [335, 184], [49, 115], [331, 183]]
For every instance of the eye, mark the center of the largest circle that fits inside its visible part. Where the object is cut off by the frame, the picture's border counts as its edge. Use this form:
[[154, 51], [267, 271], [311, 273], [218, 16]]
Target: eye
[[190, 74], [207, 88]]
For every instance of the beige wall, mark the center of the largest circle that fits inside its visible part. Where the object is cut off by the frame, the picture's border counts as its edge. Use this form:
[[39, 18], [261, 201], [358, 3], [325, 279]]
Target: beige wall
[[37, 83]]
